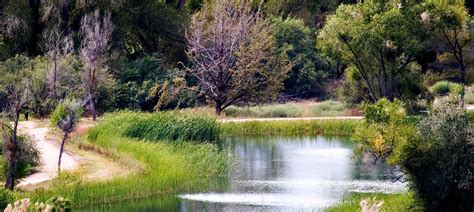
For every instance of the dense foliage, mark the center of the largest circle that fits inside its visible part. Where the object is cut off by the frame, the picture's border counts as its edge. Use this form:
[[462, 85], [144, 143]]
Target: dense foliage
[[26, 161], [439, 160], [436, 154]]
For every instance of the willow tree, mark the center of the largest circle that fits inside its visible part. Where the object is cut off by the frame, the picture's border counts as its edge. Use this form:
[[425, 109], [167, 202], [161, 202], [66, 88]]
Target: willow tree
[[96, 31], [379, 43], [233, 54], [449, 23]]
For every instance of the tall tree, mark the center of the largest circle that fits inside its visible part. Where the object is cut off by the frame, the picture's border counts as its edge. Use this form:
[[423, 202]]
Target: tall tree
[[96, 31], [232, 50], [57, 47], [15, 82], [380, 42], [450, 24]]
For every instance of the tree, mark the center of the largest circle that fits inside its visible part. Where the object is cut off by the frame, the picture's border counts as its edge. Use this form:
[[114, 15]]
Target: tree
[[309, 74], [380, 42], [96, 30], [65, 117], [15, 82], [435, 153], [449, 23], [57, 47], [232, 50]]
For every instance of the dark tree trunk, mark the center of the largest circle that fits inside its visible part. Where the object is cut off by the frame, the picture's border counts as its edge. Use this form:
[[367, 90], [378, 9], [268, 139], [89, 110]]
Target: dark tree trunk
[[54, 85], [92, 106], [463, 82], [11, 155], [218, 109], [61, 151], [35, 27]]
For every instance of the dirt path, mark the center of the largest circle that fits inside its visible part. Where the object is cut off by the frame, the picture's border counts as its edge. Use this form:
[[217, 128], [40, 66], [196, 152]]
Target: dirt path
[[48, 153], [291, 119]]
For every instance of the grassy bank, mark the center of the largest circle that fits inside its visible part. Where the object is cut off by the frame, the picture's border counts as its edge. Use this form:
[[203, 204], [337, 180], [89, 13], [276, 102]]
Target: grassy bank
[[168, 165], [291, 127], [392, 202], [289, 109]]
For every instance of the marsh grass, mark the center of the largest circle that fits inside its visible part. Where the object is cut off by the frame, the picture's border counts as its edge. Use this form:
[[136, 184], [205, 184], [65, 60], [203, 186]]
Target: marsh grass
[[290, 109], [392, 202], [167, 166], [291, 127]]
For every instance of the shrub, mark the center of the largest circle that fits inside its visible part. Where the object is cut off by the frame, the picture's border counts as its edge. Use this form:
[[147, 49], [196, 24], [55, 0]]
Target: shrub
[[384, 132], [6, 197], [444, 87], [439, 160], [27, 158]]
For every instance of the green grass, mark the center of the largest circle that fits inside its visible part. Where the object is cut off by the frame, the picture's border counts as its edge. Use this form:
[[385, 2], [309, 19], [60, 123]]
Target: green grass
[[291, 109], [294, 127], [445, 87], [469, 98], [168, 167], [392, 202]]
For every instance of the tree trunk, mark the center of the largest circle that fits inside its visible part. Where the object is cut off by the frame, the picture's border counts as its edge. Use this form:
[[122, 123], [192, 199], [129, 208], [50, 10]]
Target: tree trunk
[[218, 109], [463, 83], [90, 91], [11, 155], [61, 151], [55, 73], [36, 27]]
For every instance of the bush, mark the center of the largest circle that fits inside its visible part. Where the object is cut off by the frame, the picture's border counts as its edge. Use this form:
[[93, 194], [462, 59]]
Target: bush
[[6, 197], [384, 132], [27, 159], [444, 87], [439, 161]]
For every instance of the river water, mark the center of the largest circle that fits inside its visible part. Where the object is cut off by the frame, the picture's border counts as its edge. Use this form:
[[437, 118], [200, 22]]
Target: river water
[[279, 174]]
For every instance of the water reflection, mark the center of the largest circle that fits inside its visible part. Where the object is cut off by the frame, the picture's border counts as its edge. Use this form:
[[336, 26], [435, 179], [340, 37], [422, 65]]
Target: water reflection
[[279, 174], [292, 173]]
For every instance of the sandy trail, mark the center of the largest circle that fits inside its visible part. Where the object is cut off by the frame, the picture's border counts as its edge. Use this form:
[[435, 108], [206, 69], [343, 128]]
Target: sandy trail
[[48, 153], [291, 119]]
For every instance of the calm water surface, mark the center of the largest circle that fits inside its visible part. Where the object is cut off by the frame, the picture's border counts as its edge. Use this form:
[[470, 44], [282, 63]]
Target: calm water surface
[[279, 174]]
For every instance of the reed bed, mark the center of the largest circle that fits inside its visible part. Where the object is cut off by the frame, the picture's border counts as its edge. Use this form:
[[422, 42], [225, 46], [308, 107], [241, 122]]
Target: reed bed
[[291, 127], [168, 166]]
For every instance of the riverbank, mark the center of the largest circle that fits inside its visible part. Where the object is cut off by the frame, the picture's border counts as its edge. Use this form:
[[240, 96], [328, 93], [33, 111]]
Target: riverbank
[[327, 127], [392, 202], [167, 166]]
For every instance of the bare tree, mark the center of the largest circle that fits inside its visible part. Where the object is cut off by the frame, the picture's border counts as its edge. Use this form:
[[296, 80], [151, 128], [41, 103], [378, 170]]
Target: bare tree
[[232, 50], [57, 46], [16, 85], [96, 30]]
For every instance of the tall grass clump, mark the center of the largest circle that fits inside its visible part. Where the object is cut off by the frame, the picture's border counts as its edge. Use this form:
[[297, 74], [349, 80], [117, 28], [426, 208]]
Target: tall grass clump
[[445, 87], [329, 108], [275, 110], [291, 127], [172, 126], [392, 202], [469, 98], [166, 166]]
